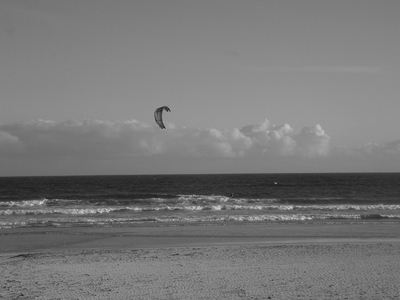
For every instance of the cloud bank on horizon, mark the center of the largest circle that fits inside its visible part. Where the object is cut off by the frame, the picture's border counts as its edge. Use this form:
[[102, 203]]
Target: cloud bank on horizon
[[106, 140], [93, 139]]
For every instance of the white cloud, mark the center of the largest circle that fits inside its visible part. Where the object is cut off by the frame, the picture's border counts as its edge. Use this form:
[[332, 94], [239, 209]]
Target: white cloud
[[123, 143], [280, 140], [312, 141], [9, 144], [94, 139], [388, 149]]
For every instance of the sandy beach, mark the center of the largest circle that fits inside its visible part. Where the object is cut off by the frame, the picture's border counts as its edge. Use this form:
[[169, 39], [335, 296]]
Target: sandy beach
[[263, 261]]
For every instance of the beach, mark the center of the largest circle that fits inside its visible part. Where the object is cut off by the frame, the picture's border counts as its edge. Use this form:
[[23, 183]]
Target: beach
[[358, 260]]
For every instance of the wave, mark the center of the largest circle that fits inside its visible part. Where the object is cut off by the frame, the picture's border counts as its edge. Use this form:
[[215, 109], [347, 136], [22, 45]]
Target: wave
[[24, 203], [161, 199], [42, 203], [206, 201], [99, 222], [31, 210], [65, 211]]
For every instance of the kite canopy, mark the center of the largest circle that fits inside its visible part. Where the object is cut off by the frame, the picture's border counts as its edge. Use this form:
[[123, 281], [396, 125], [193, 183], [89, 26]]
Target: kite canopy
[[158, 115]]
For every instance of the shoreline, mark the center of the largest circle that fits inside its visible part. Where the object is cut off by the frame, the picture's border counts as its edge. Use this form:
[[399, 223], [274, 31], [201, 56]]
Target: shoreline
[[252, 261], [39, 239]]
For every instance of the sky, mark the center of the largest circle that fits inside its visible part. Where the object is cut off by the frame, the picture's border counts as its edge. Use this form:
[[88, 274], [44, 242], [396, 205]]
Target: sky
[[271, 86]]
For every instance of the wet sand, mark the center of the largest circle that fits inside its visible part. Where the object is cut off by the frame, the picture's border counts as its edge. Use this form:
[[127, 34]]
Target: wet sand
[[263, 261]]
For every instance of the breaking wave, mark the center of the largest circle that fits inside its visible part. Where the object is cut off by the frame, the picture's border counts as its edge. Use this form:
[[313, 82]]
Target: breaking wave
[[100, 222], [31, 210], [187, 208]]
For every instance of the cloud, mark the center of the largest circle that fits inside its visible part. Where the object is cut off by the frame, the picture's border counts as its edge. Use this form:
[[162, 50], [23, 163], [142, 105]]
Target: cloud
[[88, 139], [281, 141], [133, 146], [312, 141], [95, 139], [388, 149], [9, 144]]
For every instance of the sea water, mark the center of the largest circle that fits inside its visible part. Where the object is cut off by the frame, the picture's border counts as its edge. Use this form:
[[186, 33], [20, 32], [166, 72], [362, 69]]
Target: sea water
[[69, 201]]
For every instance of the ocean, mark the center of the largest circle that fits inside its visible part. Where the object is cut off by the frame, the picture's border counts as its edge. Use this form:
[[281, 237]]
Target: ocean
[[105, 201]]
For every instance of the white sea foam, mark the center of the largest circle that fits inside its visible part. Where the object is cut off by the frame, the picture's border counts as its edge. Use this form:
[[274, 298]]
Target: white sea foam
[[24, 203], [67, 211], [102, 221], [38, 209]]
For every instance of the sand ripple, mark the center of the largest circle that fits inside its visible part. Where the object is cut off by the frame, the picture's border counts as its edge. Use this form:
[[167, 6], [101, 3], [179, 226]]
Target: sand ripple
[[309, 271]]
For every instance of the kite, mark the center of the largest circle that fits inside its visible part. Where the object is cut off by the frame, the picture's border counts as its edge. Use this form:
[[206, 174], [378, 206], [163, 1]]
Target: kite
[[158, 115]]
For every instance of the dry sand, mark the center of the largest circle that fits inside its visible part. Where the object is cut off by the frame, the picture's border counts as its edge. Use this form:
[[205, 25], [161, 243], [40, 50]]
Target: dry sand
[[286, 261]]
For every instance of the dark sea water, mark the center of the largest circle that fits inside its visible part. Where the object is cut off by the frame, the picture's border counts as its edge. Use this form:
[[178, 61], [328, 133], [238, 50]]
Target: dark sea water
[[169, 199]]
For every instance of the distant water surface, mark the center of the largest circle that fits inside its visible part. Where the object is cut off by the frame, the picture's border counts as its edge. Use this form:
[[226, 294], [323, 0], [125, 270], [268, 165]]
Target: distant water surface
[[69, 201]]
